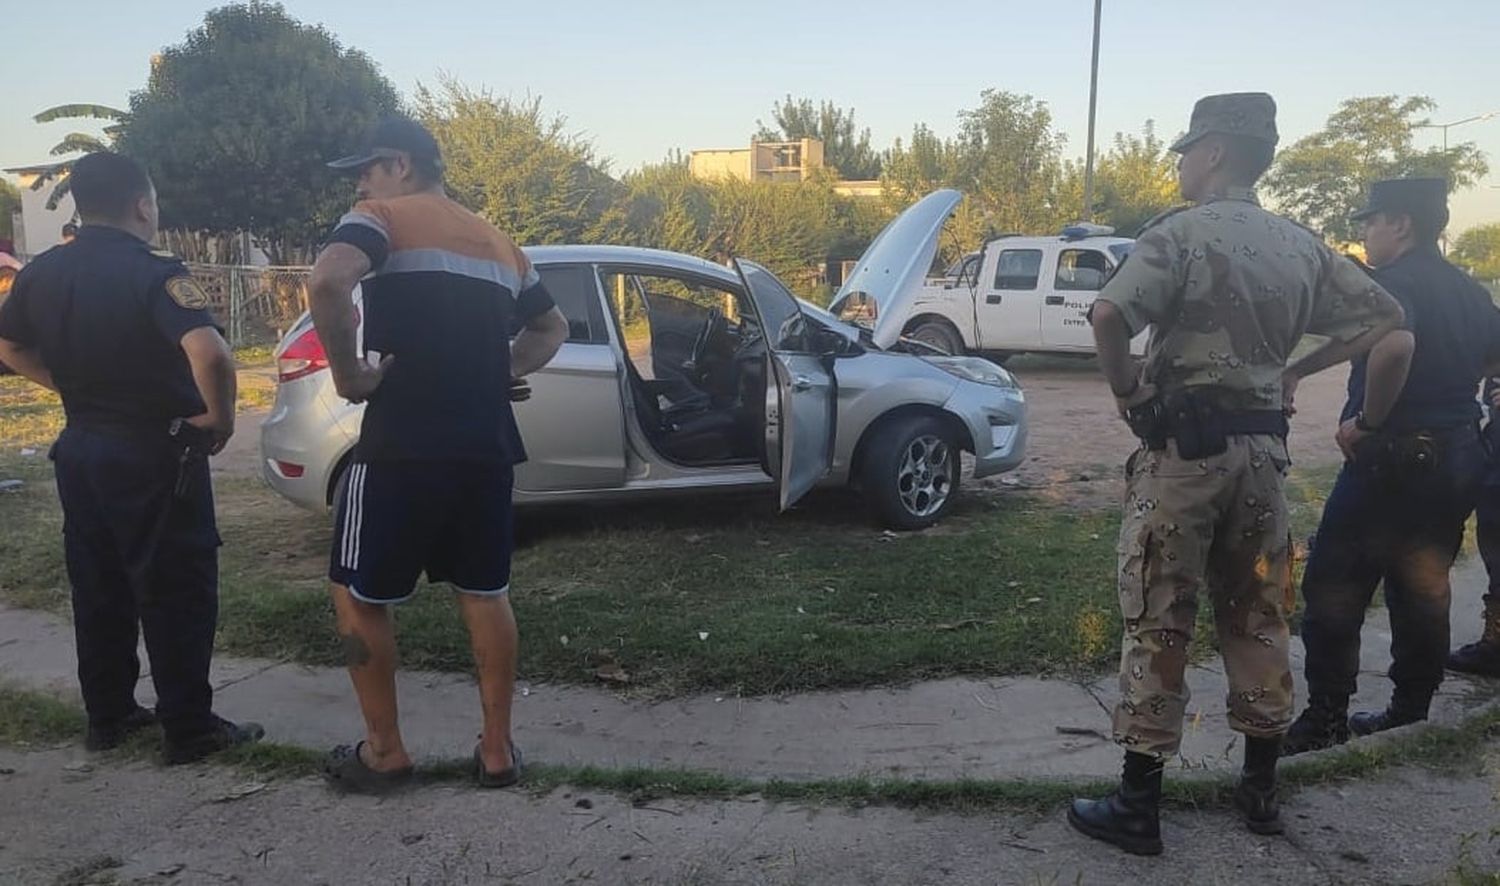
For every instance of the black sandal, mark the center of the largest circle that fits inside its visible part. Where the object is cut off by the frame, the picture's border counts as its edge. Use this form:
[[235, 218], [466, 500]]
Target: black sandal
[[502, 779], [345, 770]]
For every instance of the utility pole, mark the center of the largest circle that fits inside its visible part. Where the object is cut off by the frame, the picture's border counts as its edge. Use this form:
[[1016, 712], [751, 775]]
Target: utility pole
[[1088, 163]]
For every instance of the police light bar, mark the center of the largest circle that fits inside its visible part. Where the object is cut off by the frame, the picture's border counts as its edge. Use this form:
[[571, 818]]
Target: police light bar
[[1083, 230]]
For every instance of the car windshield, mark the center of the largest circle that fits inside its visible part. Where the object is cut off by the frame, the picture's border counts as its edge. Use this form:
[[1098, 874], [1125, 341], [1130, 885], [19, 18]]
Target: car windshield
[[1120, 250]]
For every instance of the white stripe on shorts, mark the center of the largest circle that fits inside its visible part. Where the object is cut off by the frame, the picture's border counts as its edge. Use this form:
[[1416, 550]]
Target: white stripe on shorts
[[359, 526], [354, 505]]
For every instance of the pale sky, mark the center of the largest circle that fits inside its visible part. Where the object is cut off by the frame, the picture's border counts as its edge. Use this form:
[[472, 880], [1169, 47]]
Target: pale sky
[[644, 77]]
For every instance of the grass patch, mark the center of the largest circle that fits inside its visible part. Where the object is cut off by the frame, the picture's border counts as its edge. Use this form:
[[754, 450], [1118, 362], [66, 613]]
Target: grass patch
[[812, 599], [787, 603], [725, 595], [33, 718], [36, 718]]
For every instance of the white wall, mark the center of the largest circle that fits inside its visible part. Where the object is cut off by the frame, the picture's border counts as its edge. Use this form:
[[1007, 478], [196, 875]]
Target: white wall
[[40, 228]]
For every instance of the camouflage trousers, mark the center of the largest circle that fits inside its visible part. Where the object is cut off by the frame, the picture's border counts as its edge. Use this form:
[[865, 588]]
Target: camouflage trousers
[[1218, 523]]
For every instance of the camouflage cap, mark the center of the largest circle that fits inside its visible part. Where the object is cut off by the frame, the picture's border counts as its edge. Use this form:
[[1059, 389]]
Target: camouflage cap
[[1250, 114]]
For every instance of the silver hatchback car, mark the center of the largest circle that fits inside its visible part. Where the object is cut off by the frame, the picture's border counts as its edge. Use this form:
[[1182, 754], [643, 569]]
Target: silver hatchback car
[[683, 376]]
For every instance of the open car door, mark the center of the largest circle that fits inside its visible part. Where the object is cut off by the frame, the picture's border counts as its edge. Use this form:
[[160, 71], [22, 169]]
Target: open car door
[[801, 395]]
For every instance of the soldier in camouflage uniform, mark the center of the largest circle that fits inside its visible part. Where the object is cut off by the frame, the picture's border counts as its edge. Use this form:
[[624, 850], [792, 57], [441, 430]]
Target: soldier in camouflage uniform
[[1227, 289]]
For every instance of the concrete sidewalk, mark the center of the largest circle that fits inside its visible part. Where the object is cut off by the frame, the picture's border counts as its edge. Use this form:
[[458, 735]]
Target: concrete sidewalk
[[999, 728]]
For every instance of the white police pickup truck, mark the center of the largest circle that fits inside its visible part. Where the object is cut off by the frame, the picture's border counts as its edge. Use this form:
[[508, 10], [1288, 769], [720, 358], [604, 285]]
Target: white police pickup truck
[[1017, 295]]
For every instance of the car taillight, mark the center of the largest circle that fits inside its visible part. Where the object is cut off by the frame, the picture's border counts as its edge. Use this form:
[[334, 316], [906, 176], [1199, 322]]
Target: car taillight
[[302, 357]]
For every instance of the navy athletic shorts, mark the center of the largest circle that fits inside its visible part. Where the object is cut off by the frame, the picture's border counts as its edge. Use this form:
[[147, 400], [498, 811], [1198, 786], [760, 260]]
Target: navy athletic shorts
[[398, 519]]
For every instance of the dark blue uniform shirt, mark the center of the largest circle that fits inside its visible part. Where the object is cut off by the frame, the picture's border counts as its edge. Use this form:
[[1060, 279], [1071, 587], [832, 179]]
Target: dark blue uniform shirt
[[1457, 330], [107, 315]]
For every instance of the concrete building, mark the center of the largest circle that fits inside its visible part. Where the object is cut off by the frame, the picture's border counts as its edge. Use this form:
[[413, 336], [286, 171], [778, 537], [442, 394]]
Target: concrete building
[[762, 161], [792, 161]]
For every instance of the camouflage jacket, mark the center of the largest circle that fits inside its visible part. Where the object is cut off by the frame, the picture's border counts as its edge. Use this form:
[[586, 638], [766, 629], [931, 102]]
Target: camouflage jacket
[[1228, 290]]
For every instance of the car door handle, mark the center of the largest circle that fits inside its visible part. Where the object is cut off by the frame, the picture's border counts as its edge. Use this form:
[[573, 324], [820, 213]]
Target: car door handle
[[992, 299], [1054, 299], [801, 383]]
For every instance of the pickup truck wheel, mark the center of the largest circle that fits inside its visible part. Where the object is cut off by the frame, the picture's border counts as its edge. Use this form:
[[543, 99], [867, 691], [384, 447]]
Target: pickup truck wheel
[[910, 472], [939, 335]]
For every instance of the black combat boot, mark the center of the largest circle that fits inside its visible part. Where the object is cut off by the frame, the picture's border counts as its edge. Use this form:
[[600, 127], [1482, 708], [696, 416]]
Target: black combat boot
[[1255, 795], [107, 736], [1130, 817], [1482, 657], [1406, 707], [1324, 724]]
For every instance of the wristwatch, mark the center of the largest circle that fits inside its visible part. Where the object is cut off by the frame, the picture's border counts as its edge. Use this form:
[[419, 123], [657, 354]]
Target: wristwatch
[[1361, 424]]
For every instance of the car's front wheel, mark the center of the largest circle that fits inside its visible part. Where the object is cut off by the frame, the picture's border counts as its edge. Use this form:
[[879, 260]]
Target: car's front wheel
[[910, 472]]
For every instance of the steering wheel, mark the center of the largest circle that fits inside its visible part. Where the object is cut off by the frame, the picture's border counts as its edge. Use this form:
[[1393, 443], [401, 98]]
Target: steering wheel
[[716, 325]]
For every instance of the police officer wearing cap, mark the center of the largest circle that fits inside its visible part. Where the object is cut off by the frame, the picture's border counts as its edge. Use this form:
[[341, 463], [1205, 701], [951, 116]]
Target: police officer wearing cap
[[1410, 477], [148, 387], [1227, 290]]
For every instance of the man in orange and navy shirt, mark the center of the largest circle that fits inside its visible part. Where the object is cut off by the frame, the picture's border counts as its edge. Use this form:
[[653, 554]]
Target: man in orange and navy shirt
[[429, 487]]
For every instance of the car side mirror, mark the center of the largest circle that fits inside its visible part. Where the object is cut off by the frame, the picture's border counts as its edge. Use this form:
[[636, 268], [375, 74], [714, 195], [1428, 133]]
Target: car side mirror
[[828, 343]]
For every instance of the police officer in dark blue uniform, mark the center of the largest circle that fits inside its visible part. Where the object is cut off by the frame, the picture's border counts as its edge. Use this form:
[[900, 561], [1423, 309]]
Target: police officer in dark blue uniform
[[1482, 657], [148, 387], [1411, 475]]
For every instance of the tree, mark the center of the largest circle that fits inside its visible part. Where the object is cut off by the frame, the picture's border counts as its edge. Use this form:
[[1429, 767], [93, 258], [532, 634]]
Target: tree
[[1478, 249], [845, 148], [74, 143], [1323, 178], [516, 166], [1134, 181], [1006, 158], [10, 204], [237, 123]]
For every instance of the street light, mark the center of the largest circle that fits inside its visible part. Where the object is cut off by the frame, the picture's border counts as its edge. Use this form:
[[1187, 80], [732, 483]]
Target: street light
[[1088, 163], [1447, 126]]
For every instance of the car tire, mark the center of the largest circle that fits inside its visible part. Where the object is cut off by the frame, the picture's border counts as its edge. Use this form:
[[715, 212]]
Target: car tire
[[910, 470], [938, 334]]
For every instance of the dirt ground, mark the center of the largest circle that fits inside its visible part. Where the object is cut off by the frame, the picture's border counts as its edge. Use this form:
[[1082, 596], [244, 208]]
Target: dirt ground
[[68, 821], [1077, 444]]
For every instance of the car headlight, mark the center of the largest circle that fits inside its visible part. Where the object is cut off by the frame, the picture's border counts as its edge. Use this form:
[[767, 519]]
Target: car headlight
[[975, 369]]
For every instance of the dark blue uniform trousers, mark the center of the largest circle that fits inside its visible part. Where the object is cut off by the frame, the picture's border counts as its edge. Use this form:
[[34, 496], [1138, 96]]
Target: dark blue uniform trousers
[[1487, 519], [140, 554], [1406, 534]]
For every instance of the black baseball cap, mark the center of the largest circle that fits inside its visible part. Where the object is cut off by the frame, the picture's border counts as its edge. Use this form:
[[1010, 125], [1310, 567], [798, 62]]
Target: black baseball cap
[[1424, 199], [390, 137]]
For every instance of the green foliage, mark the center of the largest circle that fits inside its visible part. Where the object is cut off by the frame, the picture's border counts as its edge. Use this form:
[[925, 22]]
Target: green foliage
[[237, 122], [793, 228], [1006, 158], [1478, 249], [78, 143], [74, 143], [845, 148], [516, 166], [1322, 179], [77, 111], [1135, 180], [10, 204]]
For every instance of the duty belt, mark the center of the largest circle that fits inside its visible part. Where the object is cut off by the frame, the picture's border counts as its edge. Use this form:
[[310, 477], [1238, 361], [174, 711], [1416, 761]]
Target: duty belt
[[1200, 428]]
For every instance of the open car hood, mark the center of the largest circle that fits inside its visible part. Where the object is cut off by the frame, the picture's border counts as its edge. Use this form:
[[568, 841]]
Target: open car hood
[[878, 294]]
